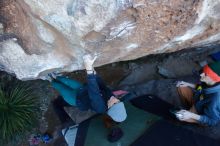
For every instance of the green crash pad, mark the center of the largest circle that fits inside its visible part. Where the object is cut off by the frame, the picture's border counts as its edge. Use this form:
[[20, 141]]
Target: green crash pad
[[133, 127]]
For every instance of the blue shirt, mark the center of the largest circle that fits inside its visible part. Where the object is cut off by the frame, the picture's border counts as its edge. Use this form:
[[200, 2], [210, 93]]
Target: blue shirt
[[209, 107], [94, 95]]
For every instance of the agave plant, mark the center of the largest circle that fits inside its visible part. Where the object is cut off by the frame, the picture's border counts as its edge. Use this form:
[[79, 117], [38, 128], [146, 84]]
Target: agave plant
[[18, 105]]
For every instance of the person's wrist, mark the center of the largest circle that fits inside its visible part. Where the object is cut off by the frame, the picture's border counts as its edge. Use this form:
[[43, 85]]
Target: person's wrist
[[87, 66], [195, 116], [89, 71]]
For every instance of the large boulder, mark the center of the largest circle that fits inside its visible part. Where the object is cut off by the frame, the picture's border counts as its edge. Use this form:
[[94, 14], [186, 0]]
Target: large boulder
[[40, 36]]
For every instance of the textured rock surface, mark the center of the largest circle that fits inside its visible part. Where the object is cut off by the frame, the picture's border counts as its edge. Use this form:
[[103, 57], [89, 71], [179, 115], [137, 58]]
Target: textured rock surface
[[54, 34]]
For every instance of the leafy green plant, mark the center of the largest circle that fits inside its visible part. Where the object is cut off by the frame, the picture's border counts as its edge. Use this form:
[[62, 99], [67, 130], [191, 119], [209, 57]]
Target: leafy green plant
[[18, 107]]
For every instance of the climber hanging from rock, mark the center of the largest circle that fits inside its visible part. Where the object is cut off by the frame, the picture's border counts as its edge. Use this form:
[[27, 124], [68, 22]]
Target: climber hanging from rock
[[94, 95]]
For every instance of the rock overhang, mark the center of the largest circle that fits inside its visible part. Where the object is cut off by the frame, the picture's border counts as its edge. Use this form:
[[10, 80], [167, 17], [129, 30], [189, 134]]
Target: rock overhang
[[55, 34]]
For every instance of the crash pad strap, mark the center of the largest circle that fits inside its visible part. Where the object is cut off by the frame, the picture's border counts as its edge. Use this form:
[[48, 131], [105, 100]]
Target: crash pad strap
[[81, 133]]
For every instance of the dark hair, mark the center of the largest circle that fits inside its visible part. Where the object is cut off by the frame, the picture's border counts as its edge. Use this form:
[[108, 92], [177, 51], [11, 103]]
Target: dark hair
[[115, 134], [108, 121]]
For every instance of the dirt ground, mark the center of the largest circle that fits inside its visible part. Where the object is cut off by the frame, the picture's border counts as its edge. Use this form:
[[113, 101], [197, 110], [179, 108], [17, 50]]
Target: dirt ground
[[121, 75]]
